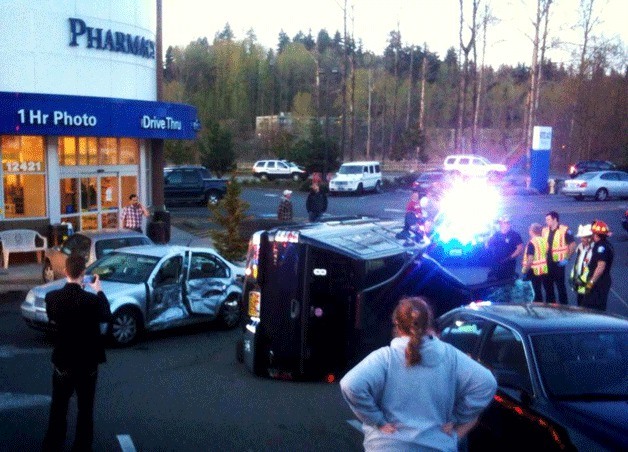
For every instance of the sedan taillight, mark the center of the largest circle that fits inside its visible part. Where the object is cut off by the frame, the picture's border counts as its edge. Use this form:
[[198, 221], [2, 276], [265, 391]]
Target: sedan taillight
[[582, 185]]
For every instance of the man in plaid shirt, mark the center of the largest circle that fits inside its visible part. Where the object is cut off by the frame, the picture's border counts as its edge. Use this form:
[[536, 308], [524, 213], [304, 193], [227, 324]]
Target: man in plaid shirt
[[133, 213]]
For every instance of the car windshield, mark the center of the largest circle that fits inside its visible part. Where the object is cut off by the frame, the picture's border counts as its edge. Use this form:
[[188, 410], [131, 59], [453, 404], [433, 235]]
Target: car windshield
[[584, 365], [587, 176], [124, 267], [350, 169]]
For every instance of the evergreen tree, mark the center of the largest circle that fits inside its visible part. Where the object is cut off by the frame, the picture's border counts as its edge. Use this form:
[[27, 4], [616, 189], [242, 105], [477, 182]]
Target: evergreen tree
[[216, 148], [228, 215]]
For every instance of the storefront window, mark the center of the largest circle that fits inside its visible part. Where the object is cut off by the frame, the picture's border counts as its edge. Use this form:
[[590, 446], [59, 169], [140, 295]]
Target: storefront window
[[87, 151], [108, 151], [98, 151], [128, 187], [129, 151], [24, 176]]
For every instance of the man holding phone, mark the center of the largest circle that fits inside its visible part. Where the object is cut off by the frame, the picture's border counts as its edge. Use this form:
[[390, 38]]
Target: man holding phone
[[78, 350]]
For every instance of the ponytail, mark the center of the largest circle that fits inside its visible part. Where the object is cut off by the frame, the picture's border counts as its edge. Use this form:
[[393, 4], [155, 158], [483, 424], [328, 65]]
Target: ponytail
[[413, 318]]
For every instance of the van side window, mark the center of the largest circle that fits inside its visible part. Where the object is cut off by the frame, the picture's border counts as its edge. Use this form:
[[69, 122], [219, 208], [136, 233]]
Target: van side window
[[377, 169]]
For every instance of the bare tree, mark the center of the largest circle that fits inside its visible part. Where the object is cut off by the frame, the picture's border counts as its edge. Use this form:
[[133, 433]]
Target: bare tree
[[540, 24], [465, 49], [487, 19]]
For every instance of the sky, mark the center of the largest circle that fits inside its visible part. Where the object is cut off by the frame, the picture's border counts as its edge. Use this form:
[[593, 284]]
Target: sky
[[431, 22]]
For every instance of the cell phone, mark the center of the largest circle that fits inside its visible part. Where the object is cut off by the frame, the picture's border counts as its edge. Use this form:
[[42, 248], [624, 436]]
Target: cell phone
[[89, 279]]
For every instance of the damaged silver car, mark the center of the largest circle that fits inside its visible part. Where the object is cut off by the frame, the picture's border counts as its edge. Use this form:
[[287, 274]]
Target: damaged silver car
[[156, 287]]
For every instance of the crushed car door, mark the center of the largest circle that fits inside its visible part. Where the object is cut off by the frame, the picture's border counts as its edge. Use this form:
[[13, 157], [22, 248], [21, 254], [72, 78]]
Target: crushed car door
[[166, 301], [207, 282]]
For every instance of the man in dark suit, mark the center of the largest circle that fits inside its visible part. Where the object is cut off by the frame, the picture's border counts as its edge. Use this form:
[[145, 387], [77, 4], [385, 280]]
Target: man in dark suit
[[78, 350]]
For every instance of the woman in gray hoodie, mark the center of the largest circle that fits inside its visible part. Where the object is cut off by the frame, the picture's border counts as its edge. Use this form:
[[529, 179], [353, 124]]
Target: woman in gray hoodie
[[418, 393]]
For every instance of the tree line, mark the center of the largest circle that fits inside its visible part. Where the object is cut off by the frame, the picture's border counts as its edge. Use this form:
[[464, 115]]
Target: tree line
[[345, 103]]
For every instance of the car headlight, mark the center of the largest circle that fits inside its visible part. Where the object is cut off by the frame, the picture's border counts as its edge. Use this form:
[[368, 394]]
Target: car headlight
[[30, 297]]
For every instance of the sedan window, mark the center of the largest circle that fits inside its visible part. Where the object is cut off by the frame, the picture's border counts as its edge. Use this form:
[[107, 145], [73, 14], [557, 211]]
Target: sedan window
[[609, 176], [204, 266], [170, 271], [504, 354], [123, 267], [464, 334], [79, 244], [581, 365], [108, 245]]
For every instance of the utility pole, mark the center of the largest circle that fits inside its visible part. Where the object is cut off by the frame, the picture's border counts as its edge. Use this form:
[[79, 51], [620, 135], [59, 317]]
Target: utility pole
[[344, 83]]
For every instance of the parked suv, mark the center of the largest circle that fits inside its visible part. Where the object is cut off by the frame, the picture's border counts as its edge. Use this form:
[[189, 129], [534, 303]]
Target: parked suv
[[586, 166], [275, 169], [473, 165], [357, 177]]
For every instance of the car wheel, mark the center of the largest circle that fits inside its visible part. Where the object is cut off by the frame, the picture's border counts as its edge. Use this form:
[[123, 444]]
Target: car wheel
[[125, 326], [212, 198], [360, 189], [47, 273], [579, 198], [601, 194], [230, 313], [296, 177], [263, 176], [378, 187]]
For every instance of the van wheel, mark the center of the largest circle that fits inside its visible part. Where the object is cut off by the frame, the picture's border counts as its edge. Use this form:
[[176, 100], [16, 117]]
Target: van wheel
[[263, 176], [378, 187], [360, 189]]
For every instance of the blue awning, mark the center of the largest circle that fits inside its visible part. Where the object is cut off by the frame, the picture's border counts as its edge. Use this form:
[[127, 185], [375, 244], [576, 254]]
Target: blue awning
[[49, 114]]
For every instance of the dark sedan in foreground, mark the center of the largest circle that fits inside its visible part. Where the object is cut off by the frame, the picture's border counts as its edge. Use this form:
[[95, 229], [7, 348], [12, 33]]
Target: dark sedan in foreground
[[562, 374]]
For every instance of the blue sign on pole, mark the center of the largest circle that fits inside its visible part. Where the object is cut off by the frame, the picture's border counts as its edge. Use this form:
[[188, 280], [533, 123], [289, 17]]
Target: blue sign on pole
[[48, 114], [540, 158]]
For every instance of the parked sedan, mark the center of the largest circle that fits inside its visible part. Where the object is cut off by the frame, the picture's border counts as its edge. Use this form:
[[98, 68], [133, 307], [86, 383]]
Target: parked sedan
[[155, 287], [432, 182], [90, 244], [599, 185], [562, 375]]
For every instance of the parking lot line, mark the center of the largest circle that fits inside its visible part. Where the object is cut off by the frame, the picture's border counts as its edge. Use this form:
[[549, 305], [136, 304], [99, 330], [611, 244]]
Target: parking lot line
[[126, 443]]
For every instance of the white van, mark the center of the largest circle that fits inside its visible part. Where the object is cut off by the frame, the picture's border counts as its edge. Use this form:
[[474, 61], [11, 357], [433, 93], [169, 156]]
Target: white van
[[357, 177]]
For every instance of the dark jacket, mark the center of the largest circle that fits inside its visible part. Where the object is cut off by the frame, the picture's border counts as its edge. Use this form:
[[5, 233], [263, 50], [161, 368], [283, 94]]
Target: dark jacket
[[316, 202], [77, 315]]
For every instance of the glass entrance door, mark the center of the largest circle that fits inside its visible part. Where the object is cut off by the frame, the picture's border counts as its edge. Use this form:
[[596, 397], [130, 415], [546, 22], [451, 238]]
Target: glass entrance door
[[94, 201]]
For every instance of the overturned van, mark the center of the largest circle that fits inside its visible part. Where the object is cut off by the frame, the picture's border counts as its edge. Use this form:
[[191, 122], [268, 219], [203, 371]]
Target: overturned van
[[319, 297]]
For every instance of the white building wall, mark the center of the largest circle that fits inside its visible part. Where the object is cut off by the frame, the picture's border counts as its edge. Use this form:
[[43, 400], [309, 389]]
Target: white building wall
[[37, 57]]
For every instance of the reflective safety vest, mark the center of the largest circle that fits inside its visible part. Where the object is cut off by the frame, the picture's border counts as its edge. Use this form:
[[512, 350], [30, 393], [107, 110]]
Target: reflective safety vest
[[580, 271], [539, 259], [559, 244]]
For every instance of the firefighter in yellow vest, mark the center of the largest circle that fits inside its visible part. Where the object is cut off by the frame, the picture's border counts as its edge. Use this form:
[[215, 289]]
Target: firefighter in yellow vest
[[580, 275], [560, 246], [535, 262]]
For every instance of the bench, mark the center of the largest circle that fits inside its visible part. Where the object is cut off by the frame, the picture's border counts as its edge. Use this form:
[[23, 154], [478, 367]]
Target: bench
[[22, 241]]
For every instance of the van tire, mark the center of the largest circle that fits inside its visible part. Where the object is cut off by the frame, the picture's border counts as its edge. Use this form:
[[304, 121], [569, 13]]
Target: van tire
[[360, 189], [378, 187]]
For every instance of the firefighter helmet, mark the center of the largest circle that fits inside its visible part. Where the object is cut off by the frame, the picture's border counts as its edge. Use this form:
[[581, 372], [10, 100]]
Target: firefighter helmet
[[600, 228]]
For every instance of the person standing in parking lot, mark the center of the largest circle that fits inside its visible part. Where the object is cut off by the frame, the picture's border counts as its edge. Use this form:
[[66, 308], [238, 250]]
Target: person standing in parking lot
[[534, 266], [132, 214], [78, 350], [504, 247], [419, 393], [599, 267], [580, 275], [560, 246], [316, 203], [284, 211]]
